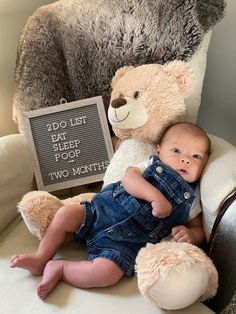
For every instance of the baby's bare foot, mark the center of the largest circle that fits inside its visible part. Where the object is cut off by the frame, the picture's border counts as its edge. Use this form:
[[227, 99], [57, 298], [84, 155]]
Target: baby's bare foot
[[28, 261], [51, 276]]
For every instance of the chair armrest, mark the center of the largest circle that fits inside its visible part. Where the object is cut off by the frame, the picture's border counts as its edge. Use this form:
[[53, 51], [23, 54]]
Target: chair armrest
[[16, 175], [216, 185], [222, 251]]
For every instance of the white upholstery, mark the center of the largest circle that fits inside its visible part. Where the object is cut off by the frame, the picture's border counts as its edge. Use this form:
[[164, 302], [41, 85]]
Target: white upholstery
[[218, 180], [16, 174], [198, 66]]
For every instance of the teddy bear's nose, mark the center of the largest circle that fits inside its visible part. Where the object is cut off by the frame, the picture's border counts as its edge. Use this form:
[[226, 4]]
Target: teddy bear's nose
[[118, 102]]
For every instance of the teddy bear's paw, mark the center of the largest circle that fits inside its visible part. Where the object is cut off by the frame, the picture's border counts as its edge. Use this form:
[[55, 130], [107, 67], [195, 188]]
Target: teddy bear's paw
[[166, 272], [37, 209]]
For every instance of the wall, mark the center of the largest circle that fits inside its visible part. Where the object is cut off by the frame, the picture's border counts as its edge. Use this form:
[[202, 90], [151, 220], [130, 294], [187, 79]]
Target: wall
[[13, 15], [217, 112]]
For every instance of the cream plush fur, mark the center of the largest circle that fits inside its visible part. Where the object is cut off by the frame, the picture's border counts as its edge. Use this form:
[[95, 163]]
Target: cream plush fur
[[144, 101], [174, 275]]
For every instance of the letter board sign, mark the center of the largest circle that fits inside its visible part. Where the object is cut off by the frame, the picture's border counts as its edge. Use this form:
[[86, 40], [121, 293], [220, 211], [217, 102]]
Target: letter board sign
[[70, 143]]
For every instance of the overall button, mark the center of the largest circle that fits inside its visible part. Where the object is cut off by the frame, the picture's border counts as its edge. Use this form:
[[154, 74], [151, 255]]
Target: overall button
[[159, 169], [187, 195]]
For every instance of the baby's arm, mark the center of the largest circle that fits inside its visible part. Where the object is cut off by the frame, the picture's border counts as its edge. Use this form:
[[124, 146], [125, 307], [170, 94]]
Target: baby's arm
[[136, 185], [192, 233]]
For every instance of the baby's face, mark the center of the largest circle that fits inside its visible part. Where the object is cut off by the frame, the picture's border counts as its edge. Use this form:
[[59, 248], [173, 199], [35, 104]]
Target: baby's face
[[186, 153]]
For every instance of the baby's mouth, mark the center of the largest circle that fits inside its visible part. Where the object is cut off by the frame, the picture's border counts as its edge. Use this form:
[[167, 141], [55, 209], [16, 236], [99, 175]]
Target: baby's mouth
[[182, 171]]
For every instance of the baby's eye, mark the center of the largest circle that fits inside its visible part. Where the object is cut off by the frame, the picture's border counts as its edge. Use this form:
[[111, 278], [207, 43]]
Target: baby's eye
[[136, 94], [197, 156], [175, 150]]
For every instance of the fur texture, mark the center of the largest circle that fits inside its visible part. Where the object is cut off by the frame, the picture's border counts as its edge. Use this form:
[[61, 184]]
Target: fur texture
[[170, 261], [72, 48], [38, 212], [39, 207]]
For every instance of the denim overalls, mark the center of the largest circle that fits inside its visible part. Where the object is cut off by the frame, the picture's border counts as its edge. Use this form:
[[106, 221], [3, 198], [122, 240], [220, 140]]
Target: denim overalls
[[117, 225]]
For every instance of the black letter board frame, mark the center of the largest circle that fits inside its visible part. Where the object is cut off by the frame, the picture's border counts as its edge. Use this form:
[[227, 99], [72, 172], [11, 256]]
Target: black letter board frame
[[70, 143]]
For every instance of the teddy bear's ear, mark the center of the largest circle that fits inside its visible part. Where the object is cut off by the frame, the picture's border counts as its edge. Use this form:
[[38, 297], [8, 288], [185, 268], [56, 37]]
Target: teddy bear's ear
[[183, 75], [119, 73]]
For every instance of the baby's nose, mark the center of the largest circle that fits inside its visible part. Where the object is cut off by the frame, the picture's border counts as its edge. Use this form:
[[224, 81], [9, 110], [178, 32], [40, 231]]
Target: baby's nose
[[185, 160]]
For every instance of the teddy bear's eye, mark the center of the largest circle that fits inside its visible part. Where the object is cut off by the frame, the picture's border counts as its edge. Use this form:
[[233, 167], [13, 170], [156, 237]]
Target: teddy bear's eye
[[136, 94]]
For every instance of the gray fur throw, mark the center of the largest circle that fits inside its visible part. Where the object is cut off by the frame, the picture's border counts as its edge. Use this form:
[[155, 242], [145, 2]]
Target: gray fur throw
[[72, 48]]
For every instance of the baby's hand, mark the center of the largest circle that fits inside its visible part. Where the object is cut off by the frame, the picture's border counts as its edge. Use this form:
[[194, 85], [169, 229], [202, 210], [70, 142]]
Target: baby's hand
[[161, 210], [182, 234]]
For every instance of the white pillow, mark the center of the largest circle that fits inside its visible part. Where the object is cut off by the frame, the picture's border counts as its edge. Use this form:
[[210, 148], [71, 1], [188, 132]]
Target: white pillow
[[218, 181]]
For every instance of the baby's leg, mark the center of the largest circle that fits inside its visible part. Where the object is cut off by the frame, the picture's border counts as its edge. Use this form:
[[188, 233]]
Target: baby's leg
[[100, 272], [66, 220]]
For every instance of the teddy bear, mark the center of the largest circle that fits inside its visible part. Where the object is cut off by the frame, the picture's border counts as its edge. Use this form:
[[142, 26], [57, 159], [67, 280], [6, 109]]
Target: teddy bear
[[144, 101], [142, 104]]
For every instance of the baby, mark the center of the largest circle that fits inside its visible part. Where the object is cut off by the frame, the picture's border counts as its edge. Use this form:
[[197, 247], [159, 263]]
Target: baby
[[151, 201]]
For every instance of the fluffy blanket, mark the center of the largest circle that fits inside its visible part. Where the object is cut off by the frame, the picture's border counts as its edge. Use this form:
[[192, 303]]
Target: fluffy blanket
[[71, 48]]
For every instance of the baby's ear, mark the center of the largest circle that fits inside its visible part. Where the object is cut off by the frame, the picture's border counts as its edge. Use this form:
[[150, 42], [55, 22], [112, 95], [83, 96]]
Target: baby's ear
[[183, 74], [119, 73]]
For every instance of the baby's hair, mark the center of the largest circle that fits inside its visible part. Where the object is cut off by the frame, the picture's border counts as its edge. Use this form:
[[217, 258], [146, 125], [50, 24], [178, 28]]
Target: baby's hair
[[191, 127]]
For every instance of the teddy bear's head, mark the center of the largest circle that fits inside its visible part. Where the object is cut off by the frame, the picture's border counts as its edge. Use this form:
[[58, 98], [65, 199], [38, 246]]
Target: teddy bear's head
[[147, 98]]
